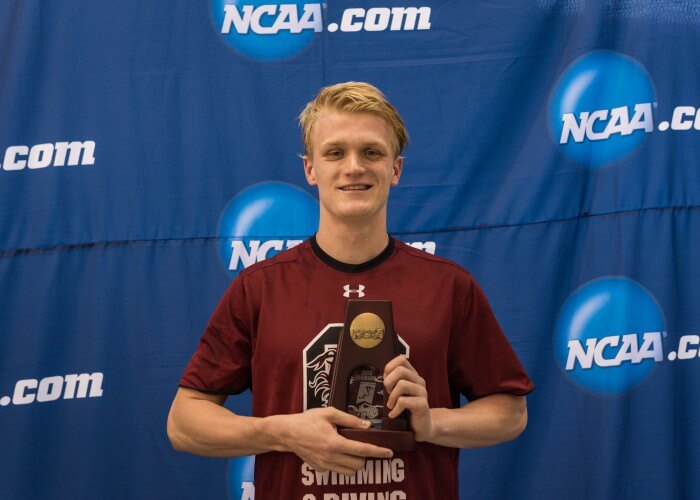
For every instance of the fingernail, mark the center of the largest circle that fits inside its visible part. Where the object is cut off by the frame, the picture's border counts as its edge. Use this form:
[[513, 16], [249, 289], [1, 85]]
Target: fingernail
[[366, 423]]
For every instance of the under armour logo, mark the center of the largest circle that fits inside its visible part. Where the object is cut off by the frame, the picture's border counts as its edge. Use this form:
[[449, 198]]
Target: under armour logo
[[360, 291]]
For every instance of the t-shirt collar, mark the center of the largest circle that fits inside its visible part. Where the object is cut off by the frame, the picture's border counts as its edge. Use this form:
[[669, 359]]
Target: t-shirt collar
[[351, 268]]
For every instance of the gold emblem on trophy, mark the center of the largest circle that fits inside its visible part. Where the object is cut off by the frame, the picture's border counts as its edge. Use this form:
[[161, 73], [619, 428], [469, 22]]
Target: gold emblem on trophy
[[367, 330]]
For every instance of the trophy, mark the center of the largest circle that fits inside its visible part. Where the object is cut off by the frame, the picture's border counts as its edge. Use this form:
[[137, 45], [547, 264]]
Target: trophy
[[367, 343]]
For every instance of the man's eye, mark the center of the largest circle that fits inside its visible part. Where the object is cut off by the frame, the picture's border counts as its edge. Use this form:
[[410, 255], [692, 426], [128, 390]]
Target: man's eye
[[373, 153], [335, 153]]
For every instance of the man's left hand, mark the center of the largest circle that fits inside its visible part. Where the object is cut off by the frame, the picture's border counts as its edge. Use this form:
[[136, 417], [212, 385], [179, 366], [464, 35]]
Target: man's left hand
[[407, 392]]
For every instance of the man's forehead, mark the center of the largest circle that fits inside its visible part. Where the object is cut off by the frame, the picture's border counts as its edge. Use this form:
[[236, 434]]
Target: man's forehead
[[342, 127]]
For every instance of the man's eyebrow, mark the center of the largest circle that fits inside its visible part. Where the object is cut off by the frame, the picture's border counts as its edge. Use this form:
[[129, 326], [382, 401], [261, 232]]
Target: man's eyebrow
[[374, 144], [370, 144]]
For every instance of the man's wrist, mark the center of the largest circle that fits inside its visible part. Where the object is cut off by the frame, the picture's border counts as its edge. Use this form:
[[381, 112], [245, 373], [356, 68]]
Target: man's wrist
[[272, 430], [436, 426]]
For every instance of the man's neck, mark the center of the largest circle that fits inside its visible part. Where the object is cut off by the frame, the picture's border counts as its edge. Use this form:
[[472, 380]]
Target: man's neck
[[352, 244]]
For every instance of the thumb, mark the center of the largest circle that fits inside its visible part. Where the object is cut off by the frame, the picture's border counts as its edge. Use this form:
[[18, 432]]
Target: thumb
[[343, 419]]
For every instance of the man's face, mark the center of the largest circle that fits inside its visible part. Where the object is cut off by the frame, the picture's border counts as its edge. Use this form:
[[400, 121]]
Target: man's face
[[353, 163]]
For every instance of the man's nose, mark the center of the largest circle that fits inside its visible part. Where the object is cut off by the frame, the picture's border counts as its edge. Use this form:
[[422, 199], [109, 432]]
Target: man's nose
[[354, 164]]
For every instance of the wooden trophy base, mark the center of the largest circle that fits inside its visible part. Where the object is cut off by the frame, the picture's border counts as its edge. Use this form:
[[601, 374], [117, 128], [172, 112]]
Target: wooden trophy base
[[394, 440]]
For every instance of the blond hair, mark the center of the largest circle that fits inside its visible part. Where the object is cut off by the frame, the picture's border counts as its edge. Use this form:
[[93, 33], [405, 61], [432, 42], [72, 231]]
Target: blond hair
[[354, 97]]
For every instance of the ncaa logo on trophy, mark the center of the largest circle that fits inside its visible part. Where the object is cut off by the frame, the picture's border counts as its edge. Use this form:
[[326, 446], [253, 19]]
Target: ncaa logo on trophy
[[261, 221]]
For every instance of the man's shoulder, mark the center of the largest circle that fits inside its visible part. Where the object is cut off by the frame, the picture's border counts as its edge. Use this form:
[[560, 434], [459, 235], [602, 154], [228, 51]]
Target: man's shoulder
[[277, 262], [433, 263]]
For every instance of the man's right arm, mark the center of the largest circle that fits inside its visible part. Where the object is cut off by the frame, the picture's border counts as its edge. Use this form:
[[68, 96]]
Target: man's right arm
[[198, 423]]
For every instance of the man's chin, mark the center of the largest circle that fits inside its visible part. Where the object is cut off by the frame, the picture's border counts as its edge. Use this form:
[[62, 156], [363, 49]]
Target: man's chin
[[353, 212], [357, 213]]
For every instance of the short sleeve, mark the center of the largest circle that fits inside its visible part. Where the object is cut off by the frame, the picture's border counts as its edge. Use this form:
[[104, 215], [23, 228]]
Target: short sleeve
[[481, 361], [221, 363]]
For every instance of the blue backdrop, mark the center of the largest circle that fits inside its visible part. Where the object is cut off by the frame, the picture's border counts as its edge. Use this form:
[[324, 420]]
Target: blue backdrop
[[148, 153]]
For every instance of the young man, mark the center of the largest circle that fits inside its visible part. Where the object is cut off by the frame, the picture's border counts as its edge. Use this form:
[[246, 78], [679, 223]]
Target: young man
[[276, 327]]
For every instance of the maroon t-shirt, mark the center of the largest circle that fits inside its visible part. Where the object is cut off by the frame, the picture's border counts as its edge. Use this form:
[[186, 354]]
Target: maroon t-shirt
[[275, 331]]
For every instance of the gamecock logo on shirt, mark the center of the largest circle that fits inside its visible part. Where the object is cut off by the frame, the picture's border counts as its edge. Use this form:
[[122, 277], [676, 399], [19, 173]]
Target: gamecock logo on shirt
[[319, 355]]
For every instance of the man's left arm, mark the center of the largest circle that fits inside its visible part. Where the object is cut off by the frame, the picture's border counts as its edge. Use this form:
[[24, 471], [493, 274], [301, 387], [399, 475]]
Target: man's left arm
[[486, 421]]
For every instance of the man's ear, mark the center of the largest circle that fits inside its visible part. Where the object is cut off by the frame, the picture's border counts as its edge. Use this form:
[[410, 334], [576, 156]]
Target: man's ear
[[397, 168], [309, 170]]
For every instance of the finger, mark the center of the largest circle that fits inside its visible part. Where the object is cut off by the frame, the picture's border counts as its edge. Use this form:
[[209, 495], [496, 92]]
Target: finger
[[399, 360], [402, 388], [416, 405], [346, 471], [405, 388], [402, 373], [343, 419], [346, 461], [365, 450], [341, 469]]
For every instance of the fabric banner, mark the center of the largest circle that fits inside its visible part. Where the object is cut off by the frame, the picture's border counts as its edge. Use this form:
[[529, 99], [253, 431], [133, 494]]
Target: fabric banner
[[149, 152]]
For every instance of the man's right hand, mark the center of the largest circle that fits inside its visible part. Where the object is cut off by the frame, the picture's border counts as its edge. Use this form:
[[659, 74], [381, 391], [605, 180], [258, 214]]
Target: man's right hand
[[313, 436]]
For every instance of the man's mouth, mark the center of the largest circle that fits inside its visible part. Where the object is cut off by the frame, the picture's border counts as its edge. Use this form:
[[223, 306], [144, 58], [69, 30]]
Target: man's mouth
[[356, 187]]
